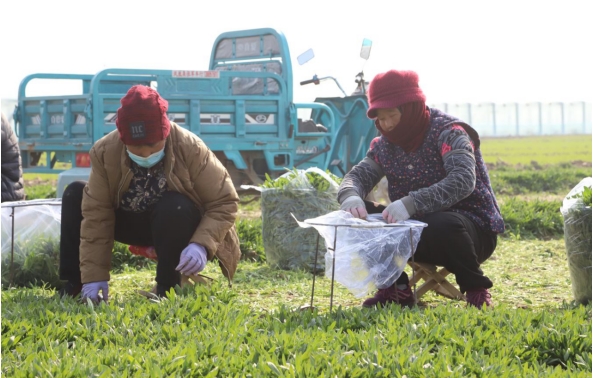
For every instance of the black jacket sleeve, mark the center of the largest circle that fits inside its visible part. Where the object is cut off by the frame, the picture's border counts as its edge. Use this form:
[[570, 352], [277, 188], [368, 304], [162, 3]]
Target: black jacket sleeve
[[12, 171]]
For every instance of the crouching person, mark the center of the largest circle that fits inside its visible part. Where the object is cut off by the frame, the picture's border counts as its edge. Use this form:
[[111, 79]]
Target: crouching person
[[436, 174], [152, 183]]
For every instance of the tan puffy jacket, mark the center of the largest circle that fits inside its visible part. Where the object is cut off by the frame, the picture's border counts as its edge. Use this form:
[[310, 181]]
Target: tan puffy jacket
[[190, 168]]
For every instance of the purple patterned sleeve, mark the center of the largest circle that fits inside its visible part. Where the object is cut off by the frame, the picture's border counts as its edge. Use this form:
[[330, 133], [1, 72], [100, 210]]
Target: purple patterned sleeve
[[457, 152], [361, 180]]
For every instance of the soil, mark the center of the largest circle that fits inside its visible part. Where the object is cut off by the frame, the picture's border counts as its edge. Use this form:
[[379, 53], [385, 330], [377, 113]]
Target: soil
[[40, 181]]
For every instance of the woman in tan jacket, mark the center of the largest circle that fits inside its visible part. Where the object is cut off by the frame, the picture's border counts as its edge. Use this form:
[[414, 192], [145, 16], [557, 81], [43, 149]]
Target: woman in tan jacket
[[152, 183]]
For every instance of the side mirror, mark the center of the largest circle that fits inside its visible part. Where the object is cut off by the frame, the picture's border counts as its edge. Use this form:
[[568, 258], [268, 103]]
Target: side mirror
[[305, 57], [365, 48]]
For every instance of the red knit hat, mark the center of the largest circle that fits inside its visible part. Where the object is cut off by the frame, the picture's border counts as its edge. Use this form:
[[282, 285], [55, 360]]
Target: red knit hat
[[142, 118], [391, 89]]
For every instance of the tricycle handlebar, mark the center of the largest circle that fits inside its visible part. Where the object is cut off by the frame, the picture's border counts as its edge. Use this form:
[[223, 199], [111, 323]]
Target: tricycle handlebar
[[309, 82], [316, 80]]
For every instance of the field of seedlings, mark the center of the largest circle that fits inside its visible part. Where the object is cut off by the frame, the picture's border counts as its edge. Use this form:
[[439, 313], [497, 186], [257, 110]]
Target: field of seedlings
[[256, 327]]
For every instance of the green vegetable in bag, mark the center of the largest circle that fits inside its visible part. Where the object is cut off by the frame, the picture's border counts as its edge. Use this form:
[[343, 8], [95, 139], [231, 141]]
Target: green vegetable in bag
[[306, 194], [577, 215], [34, 263]]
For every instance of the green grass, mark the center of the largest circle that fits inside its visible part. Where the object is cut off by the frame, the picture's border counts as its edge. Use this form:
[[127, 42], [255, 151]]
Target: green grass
[[40, 185], [256, 328], [541, 149], [556, 179]]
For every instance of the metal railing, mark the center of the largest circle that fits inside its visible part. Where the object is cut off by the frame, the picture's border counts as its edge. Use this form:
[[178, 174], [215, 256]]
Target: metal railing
[[521, 119]]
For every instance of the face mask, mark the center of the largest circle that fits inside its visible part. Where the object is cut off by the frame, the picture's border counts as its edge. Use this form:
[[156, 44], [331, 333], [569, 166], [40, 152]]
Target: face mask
[[149, 161]]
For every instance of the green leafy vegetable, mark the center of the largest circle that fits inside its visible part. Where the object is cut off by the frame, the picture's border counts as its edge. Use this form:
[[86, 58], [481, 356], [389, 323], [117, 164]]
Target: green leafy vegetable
[[578, 244], [585, 196], [32, 263], [305, 195]]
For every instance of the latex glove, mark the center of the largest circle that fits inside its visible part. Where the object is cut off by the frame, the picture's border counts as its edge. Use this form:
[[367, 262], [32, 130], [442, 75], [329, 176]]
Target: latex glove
[[91, 290], [395, 212], [192, 259], [355, 206]]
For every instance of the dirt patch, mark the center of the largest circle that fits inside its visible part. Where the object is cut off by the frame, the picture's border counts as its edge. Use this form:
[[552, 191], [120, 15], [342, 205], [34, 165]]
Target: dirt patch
[[532, 197], [249, 214], [535, 165], [39, 181], [581, 163]]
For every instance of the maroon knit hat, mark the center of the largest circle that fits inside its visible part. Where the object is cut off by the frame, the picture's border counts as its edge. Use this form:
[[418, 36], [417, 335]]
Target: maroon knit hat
[[391, 89], [142, 118]]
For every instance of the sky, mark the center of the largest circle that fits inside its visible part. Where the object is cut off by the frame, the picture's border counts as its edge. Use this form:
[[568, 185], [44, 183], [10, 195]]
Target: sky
[[463, 51]]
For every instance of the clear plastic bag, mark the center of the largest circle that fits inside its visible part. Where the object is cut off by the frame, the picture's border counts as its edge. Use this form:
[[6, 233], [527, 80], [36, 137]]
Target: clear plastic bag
[[288, 246], [33, 259], [369, 253], [577, 226]]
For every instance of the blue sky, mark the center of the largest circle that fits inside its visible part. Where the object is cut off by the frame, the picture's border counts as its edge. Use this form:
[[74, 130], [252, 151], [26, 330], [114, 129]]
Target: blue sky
[[464, 51]]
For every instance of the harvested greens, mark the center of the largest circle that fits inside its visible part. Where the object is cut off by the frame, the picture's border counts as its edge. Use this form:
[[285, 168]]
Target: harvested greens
[[577, 216], [305, 194], [31, 252], [34, 263]]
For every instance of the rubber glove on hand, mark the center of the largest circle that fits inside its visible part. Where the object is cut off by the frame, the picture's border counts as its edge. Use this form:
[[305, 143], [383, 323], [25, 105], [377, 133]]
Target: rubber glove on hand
[[395, 212], [91, 290], [192, 260], [355, 206]]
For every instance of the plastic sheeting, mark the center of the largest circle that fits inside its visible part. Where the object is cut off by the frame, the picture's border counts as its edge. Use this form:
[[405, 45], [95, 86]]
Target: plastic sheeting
[[288, 246], [34, 256], [577, 223], [370, 253]]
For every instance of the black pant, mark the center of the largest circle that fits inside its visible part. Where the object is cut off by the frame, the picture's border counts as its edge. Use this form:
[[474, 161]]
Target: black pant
[[168, 227], [455, 242]]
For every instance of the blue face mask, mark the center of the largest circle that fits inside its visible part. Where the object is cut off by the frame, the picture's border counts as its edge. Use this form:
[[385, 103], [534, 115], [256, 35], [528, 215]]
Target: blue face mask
[[149, 161]]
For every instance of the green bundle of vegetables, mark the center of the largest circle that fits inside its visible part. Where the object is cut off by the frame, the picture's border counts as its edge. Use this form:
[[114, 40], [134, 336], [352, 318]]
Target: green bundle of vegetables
[[578, 242], [33, 263], [305, 194]]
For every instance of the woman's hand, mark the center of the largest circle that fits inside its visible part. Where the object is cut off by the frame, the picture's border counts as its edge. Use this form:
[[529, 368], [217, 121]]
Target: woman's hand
[[192, 260], [395, 212], [355, 206]]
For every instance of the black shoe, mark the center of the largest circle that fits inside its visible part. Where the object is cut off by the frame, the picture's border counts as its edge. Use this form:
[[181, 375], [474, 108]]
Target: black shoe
[[71, 289], [162, 290]]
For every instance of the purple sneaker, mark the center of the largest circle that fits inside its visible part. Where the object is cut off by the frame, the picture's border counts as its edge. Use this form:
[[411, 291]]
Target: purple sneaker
[[389, 295], [478, 298]]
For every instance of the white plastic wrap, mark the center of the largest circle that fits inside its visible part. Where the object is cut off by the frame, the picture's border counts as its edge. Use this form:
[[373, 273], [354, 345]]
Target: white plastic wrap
[[35, 257], [370, 253], [288, 246], [577, 227]]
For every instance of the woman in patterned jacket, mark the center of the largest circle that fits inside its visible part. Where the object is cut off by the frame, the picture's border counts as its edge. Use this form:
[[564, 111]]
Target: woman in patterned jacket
[[436, 174]]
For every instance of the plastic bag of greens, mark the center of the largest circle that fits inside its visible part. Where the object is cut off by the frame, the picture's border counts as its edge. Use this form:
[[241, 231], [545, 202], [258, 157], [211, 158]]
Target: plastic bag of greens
[[307, 194], [32, 258], [577, 222], [368, 253]]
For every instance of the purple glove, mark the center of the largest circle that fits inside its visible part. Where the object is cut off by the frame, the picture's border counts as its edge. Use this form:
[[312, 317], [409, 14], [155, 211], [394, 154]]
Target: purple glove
[[355, 206], [192, 259], [91, 290]]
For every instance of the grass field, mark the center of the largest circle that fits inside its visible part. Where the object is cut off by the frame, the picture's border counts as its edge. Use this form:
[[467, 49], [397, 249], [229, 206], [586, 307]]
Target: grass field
[[256, 328], [543, 150]]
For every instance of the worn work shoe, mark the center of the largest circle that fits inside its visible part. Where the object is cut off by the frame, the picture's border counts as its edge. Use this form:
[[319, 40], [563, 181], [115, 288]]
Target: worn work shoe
[[71, 289], [389, 295], [478, 298]]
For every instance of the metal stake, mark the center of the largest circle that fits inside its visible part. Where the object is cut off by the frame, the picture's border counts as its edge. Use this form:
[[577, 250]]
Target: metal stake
[[313, 286], [12, 249], [412, 255], [333, 265]]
